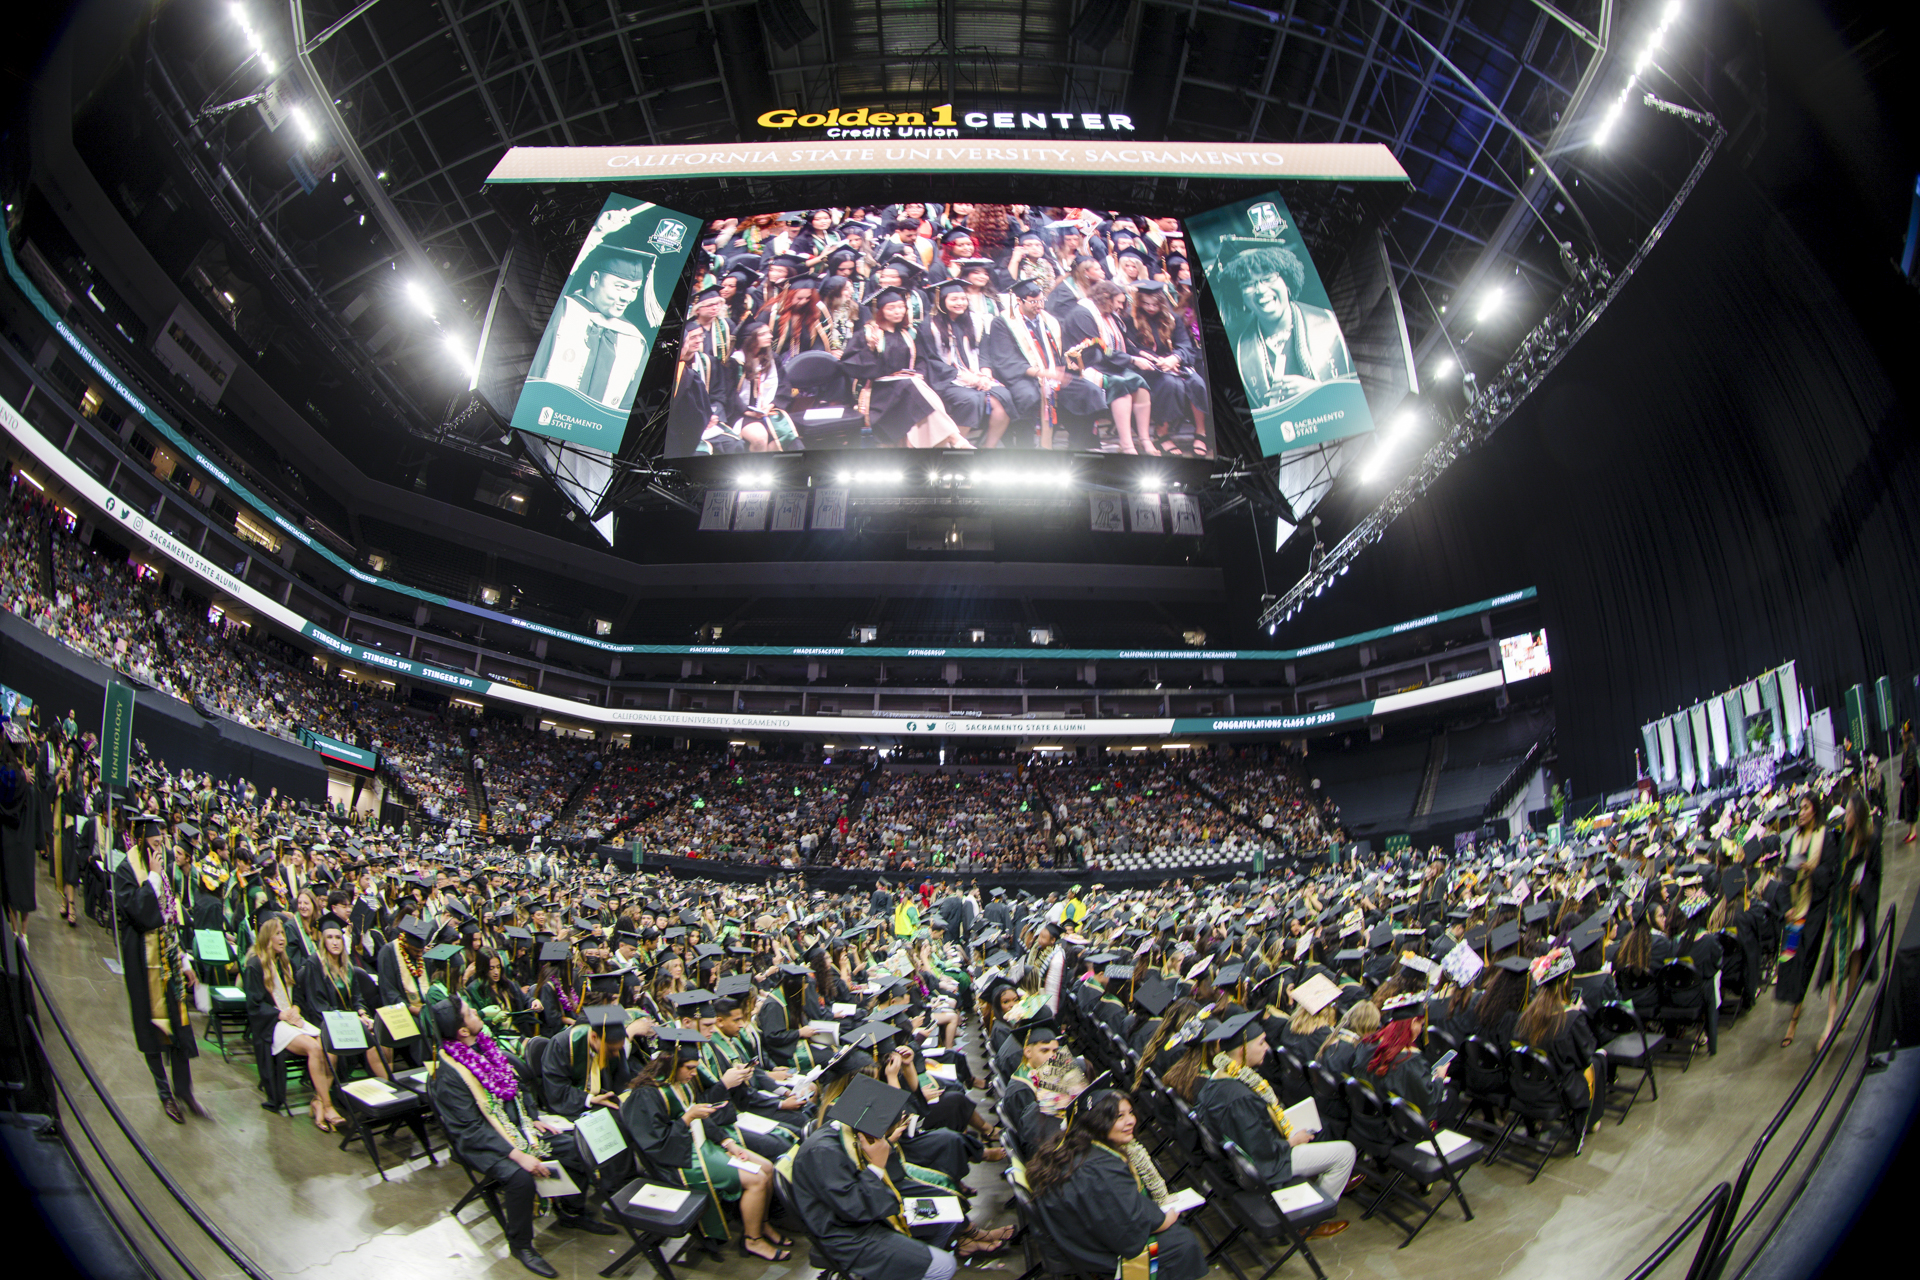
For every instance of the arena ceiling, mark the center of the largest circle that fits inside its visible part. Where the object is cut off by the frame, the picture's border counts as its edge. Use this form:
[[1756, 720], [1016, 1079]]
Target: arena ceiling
[[1489, 104]]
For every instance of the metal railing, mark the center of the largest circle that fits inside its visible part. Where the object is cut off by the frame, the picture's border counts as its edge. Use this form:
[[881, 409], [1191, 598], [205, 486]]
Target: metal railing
[[43, 1004], [1717, 1242]]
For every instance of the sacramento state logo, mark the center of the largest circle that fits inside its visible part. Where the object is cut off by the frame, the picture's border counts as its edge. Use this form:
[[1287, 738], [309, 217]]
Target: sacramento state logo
[[546, 415], [1266, 220], [667, 236]]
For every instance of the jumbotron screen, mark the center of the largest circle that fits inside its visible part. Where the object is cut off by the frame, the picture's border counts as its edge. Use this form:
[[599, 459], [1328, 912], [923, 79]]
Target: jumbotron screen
[[922, 325], [1524, 656]]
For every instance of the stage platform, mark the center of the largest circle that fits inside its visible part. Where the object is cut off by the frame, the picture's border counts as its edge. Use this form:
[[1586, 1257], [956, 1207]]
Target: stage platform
[[302, 1208]]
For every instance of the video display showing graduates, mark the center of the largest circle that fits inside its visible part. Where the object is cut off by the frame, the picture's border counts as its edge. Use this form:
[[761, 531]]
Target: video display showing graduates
[[942, 326]]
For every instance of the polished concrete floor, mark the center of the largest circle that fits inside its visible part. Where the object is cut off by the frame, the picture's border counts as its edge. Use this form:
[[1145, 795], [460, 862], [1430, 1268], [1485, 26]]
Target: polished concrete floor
[[300, 1207]]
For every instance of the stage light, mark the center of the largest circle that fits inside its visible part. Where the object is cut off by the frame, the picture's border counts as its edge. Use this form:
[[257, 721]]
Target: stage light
[[1150, 484], [418, 296], [1063, 478], [1490, 303], [458, 350], [1443, 368], [843, 477], [1272, 627]]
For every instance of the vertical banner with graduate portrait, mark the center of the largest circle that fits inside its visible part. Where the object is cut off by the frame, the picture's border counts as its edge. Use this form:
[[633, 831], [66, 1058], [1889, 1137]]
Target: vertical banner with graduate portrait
[[588, 364], [1293, 359]]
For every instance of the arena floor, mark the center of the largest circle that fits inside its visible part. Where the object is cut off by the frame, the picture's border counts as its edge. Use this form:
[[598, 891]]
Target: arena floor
[[302, 1208]]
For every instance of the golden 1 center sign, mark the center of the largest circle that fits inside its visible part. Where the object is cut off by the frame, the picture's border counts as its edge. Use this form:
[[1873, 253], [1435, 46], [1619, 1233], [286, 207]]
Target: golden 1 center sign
[[1103, 157]]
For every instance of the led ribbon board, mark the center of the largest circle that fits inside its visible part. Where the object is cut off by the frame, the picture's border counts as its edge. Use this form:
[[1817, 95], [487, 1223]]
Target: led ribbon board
[[133, 525]]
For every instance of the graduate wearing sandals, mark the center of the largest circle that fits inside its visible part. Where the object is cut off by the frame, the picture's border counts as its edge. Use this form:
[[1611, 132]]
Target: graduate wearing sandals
[[674, 1123]]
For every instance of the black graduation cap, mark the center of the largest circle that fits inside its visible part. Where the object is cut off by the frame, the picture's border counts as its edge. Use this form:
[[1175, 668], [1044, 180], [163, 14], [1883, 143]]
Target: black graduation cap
[[188, 830], [605, 1017], [1235, 1031], [692, 1004], [1504, 936], [1411, 1005], [733, 986], [869, 1107], [1229, 975], [1536, 912], [1381, 935], [872, 1035], [1153, 995], [606, 984], [1039, 1030], [1588, 933], [1512, 964], [1352, 955], [442, 953], [677, 1036], [673, 935], [514, 933], [555, 953], [794, 971], [417, 929]]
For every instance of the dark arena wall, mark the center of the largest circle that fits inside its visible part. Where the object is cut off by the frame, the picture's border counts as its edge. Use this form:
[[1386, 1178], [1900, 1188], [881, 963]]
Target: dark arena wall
[[1719, 478]]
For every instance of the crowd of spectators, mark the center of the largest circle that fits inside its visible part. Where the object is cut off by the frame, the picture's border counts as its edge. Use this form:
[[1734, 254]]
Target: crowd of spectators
[[1003, 813]]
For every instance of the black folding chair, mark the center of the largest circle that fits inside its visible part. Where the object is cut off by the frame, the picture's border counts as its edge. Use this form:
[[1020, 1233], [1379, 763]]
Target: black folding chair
[[1628, 1046], [818, 1255], [1538, 1103], [534, 1053], [1683, 1010], [1243, 1198], [1481, 1073], [1289, 1075], [1419, 1155], [1330, 1098], [1037, 1249]]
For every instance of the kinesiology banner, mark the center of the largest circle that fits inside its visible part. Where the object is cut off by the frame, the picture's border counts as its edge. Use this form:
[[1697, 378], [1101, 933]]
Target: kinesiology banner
[[1301, 383], [587, 367]]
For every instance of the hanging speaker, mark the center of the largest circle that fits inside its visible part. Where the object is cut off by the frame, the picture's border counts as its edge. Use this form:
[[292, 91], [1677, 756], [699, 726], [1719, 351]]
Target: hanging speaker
[[1100, 22], [786, 23]]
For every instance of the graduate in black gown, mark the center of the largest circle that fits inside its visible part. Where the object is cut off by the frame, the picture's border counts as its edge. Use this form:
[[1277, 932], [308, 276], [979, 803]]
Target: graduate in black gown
[[1094, 335], [1095, 1208], [851, 1187], [493, 1125], [902, 407], [682, 1129], [159, 980], [1164, 354], [959, 372]]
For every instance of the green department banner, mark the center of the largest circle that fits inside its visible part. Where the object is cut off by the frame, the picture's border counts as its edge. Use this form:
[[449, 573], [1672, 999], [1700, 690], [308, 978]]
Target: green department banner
[[116, 735], [589, 362], [1293, 359]]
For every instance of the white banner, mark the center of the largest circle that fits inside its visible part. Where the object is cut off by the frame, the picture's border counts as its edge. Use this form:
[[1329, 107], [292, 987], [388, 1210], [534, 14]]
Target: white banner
[[751, 515], [1108, 512], [830, 508], [1146, 513], [716, 512], [790, 511], [1185, 510]]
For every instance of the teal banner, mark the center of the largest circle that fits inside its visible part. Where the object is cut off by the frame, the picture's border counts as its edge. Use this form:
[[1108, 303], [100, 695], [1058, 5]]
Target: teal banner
[[334, 749], [587, 367], [1301, 384], [116, 735]]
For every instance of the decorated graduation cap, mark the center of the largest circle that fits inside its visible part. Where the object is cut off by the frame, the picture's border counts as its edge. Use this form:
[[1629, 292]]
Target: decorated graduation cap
[[868, 1106], [1316, 993], [1554, 965]]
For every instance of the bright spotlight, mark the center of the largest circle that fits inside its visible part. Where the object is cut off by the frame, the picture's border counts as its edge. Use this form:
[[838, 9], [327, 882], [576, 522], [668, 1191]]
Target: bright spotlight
[[1150, 484], [1490, 303], [843, 477], [458, 350], [1443, 368], [417, 294]]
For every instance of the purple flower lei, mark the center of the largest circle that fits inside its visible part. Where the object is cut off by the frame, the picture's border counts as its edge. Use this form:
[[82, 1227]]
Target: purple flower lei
[[488, 1064]]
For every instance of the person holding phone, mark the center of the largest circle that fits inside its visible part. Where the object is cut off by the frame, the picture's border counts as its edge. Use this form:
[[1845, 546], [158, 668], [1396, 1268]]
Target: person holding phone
[[497, 1132], [673, 1120]]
